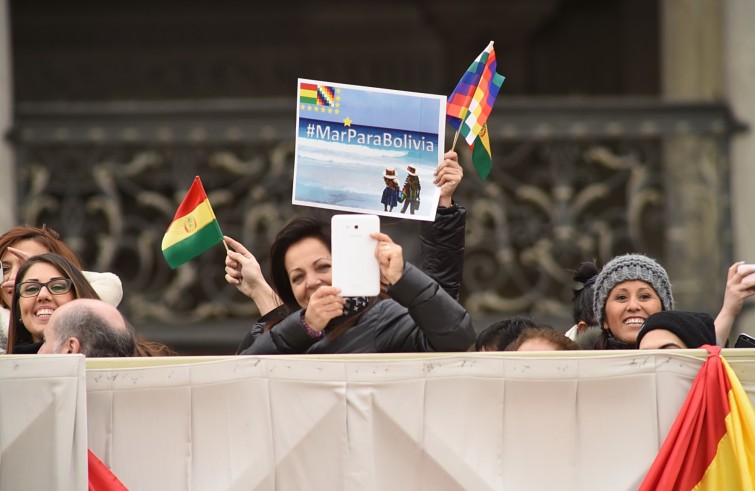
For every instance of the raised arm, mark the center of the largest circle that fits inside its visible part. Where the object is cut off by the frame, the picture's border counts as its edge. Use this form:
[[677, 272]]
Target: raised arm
[[442, 241], [423, 317], [739, 286], [448, 176], [434, 321], [244, 272]]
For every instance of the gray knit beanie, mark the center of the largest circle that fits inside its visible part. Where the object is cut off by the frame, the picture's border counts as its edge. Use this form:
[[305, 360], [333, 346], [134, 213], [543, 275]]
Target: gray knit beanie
[[627, 268]]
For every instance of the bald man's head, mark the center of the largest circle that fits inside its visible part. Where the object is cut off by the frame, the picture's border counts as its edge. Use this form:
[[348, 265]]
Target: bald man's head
[[105, 310], [92, 327]]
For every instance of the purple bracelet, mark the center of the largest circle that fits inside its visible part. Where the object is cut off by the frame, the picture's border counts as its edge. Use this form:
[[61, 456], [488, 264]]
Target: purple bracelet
[[310, 331]]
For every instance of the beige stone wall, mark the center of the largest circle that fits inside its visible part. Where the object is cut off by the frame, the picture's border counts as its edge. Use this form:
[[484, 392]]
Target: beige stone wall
[[7, 161], [739, 71], [694, 166], [707, 54]]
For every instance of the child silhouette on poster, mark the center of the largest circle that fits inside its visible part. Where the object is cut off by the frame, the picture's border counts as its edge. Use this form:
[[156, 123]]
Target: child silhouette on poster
[[391, 191], [411, 191]]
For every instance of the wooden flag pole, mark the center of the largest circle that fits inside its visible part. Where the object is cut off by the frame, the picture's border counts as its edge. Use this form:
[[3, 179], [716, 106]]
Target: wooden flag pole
[[456, 137]]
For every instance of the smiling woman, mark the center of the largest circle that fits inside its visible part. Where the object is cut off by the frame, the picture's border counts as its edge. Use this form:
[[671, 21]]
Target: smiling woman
[[43, 283], [415, 311], [412, 312], [21, 242], [628, 290]]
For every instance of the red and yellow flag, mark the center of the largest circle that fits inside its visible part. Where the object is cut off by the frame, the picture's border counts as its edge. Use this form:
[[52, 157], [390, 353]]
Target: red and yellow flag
[[194, 229], [711, 445]]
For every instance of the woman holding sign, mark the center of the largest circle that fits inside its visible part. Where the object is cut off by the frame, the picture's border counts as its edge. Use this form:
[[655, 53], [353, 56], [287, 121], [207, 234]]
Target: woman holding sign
[[303, 313]]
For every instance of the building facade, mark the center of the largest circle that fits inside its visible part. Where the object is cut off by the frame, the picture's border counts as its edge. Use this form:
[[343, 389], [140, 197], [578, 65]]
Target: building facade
[[622, 126]]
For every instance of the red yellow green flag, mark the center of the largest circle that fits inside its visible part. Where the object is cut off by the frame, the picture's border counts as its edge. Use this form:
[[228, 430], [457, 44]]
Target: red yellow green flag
[[711, 445], [194, 229], [321, 95]]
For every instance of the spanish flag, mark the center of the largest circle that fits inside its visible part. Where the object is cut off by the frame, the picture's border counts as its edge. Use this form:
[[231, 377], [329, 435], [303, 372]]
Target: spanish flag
[[194, 229], [711, 445]]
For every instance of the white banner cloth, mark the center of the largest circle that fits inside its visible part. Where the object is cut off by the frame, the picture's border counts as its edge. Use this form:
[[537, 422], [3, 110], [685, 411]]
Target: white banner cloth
[[470, 421], [43, 423]]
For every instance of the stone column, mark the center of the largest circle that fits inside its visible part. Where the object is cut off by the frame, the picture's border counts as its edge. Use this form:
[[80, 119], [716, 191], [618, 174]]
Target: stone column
[[7, 160], [698, 247], [739, 68]]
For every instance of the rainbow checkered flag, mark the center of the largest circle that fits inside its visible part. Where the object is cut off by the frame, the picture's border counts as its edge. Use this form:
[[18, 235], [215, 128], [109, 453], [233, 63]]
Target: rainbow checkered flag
[[469, 106]]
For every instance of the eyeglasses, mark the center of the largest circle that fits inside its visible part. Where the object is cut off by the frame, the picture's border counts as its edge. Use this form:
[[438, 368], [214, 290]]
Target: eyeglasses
[[58, 286]]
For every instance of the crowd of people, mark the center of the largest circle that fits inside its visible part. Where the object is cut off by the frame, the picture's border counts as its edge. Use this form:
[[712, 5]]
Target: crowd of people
[[48, 304]]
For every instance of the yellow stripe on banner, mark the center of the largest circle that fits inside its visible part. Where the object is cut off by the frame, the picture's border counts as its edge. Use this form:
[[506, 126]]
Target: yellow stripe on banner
[[308, 93], [734, 464], [189, 224]]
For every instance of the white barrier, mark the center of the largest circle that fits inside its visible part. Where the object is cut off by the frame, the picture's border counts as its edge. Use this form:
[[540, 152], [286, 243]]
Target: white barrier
[[43, 423], [567, 421]]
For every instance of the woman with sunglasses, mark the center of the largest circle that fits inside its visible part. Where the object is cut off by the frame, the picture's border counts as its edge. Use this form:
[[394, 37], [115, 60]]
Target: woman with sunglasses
[[43, 283]]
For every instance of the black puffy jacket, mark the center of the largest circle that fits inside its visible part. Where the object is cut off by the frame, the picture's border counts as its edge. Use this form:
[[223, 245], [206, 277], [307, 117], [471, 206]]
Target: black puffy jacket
[[442, 244], [422, 315]]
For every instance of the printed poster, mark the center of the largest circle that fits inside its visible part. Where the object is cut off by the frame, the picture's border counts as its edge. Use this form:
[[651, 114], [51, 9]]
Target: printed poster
[[368, 150]]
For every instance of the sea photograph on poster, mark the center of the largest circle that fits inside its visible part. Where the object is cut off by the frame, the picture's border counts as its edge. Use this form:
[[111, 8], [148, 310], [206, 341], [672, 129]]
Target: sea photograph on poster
[[368, 150]]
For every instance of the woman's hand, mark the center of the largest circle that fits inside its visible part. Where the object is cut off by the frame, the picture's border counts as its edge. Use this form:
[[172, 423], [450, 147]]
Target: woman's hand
[[243, 271], [737, 290], [390, 256], [15, 265], [324, 305], [448, 176]]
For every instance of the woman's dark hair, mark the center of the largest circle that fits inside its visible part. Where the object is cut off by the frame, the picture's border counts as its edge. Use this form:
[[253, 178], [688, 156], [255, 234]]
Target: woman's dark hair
[[297, 229], [582, 301], [17, 332], [500, 334]]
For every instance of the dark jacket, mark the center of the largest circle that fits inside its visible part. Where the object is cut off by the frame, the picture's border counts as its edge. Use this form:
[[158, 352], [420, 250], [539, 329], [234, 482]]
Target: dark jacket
[[420, 316], [442, 243], [27, 349]]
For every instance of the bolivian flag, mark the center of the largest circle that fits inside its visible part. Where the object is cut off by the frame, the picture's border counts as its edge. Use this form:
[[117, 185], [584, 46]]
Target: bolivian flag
[[321, 95], [194, 229], [711, 445]]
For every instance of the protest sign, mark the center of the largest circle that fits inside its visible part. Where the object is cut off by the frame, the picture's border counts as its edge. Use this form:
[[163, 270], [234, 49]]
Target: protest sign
[[368, 150]]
